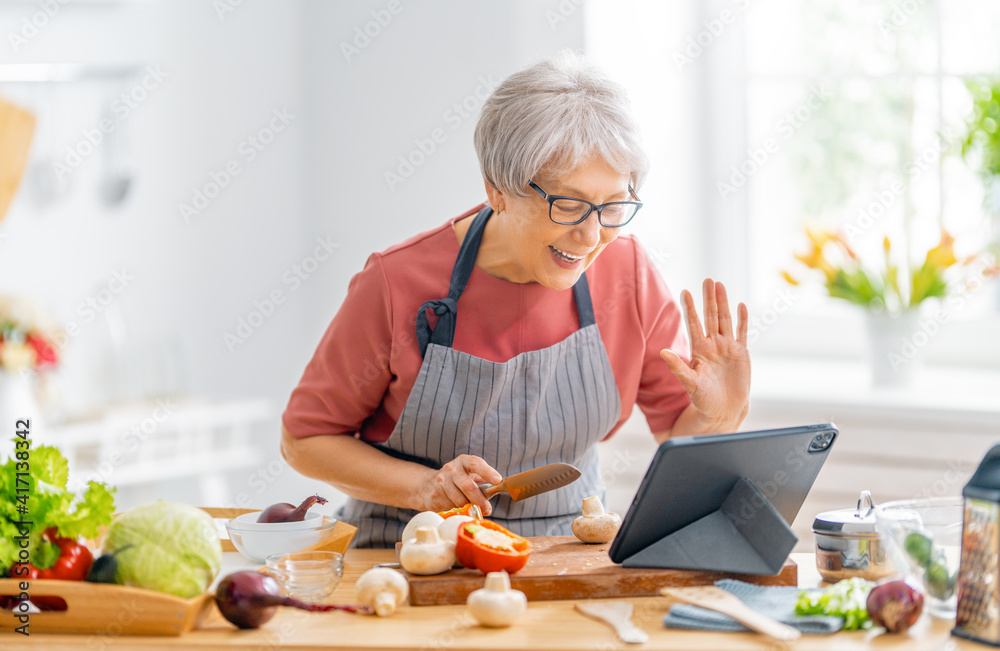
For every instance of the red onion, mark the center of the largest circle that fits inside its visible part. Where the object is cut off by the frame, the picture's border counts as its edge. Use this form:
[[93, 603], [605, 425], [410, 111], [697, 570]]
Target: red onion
[[895, 605], [285, 512], [248, 599]]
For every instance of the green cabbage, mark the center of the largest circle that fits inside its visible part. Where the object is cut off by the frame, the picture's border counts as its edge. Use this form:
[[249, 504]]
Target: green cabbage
[[175, 548]]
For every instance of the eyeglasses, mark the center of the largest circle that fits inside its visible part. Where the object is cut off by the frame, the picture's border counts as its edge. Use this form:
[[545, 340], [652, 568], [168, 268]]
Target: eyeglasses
[[570, 211]]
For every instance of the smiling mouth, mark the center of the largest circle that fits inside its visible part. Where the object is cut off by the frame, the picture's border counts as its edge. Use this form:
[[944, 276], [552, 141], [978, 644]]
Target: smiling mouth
[[566, 257]]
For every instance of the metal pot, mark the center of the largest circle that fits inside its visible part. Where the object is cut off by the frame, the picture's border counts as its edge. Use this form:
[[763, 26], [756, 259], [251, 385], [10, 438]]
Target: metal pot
[[847, 544]]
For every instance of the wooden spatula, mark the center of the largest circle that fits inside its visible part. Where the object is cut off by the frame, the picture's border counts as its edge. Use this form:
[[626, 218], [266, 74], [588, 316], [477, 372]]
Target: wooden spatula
[[619, 615], [713, 598]]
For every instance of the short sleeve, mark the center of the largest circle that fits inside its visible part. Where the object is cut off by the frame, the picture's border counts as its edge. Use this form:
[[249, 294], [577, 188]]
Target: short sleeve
[[346, 379], [661, 396]]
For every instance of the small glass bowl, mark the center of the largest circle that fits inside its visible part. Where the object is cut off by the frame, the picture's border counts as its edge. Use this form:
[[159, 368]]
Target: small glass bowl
[[257, 542], [308, 576], [924, 539]]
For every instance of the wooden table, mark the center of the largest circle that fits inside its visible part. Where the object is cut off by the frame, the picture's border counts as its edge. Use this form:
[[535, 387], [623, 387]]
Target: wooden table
[[546, 625]]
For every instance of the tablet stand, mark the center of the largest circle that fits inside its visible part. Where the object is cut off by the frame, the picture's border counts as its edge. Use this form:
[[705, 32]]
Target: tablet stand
[[746, 535]]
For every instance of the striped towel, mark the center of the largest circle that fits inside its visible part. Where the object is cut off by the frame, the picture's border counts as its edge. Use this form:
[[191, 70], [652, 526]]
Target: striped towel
[[777, 602]]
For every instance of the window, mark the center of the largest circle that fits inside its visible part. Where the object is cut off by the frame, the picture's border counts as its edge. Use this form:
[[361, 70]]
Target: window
[[841, 112]]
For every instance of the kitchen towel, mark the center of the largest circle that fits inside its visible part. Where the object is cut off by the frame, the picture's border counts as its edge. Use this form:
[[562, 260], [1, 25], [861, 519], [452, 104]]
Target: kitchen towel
[[777, 602]]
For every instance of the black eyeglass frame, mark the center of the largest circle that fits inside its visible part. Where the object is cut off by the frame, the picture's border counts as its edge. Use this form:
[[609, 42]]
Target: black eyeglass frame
[[552, 198]]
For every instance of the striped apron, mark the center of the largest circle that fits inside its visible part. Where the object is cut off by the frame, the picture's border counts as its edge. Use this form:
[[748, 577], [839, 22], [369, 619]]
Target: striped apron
[[540, 407]]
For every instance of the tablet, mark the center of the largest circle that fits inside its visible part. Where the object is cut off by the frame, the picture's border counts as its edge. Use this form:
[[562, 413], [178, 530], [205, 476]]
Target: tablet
[[692, 511]]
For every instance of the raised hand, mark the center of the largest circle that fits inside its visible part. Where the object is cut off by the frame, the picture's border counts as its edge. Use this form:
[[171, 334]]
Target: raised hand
[[718, 376]]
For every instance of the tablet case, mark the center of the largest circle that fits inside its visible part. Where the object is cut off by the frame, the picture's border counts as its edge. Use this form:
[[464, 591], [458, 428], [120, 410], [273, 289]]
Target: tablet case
[[723, 502]]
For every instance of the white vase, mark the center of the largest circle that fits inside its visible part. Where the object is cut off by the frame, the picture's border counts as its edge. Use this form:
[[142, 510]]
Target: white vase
[[18, 402], [896, 345]]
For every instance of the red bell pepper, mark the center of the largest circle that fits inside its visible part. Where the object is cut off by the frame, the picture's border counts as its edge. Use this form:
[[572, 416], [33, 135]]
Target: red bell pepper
[[64, 559], [72, 561], [469, 509], [488, 547]]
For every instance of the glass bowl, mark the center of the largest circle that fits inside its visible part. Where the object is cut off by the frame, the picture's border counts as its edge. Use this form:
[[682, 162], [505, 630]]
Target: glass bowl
[[257, 543], [924, 538], [249, 521], [308, 576]]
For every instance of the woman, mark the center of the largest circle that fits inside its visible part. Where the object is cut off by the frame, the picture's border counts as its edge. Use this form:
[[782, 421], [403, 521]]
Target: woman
[[481, 348]]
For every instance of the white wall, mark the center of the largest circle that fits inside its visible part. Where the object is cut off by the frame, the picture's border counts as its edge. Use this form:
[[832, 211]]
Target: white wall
[[321, 177], [370, 110], [191, 280]]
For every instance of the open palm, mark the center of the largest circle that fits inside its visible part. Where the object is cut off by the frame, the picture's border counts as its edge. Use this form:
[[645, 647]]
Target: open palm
[[718, 376]]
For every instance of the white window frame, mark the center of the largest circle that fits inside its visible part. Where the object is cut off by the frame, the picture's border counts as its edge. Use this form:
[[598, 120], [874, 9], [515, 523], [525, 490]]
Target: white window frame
[[723, 95]]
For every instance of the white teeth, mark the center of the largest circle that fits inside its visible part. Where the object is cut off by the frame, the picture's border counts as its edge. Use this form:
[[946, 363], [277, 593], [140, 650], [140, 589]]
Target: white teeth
[[566, 256]]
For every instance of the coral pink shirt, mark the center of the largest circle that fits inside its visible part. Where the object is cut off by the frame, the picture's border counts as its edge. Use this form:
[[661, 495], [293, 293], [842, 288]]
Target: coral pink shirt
[[367, 361]]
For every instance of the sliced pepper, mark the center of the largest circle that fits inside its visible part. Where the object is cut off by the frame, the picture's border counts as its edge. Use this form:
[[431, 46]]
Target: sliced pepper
[[488, 547], [469, 509]]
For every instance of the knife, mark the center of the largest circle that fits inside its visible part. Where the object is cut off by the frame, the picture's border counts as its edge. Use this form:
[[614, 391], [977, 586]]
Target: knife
[[533, 482]]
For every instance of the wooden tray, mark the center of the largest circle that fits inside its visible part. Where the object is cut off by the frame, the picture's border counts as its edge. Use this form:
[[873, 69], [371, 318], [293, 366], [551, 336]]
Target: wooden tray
[[101, 609], [562, 567]]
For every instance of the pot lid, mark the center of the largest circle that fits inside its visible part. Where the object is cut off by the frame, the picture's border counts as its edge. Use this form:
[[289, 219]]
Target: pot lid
[[854, 522]]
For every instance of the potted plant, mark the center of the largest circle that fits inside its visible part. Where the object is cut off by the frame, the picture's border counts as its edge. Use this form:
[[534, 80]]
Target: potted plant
[[891, 290], [981, 145]]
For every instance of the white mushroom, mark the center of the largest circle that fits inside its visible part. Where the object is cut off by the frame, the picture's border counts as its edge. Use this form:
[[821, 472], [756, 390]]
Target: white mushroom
[[595, 525], [381, 589], [449, 528], [496, 605], [422, 519], [427, 553]]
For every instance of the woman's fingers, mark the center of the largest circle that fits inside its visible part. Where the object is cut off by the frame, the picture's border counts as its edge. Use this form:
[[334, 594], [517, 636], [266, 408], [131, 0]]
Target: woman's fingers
[[471, 493], [454, 493], [472, 469], [695, 331], [680, 368], [743, 324], [477, 466], [711, 308], [725, 318]]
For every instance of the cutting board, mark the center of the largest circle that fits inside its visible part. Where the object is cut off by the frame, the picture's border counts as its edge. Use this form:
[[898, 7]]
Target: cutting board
[[562, 567]]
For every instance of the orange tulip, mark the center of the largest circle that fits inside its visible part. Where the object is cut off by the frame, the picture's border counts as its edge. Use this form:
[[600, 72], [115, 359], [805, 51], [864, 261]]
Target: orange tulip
[[842, 241], [789, 278], [819, 236], [942, 256]]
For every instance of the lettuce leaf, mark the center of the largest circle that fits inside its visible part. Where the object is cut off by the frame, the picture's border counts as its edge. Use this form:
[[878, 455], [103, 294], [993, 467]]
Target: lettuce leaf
[[847, 599], [48, 503]]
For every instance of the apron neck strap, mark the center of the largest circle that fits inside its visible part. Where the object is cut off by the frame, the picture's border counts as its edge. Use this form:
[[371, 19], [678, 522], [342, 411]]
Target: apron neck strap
[[446, 309]]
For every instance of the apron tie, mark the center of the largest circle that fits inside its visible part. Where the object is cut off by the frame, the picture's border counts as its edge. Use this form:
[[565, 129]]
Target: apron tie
[[446, 310]]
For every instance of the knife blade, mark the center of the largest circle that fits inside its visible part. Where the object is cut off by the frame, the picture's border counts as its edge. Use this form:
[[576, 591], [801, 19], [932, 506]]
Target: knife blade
[[533, 482]]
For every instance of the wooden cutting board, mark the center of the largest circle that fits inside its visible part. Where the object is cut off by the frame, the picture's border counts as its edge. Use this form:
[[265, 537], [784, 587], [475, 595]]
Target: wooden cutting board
[[562, 567]]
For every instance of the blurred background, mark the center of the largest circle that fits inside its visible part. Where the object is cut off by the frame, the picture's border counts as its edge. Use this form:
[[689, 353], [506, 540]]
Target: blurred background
[[194, 183]]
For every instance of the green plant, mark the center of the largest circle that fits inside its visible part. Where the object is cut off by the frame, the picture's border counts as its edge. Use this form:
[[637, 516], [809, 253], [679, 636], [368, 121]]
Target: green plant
[[983, 126], [888, 284]]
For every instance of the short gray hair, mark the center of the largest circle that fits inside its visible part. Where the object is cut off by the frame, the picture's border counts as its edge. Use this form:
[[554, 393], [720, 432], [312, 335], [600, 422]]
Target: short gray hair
[[550, 117]]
